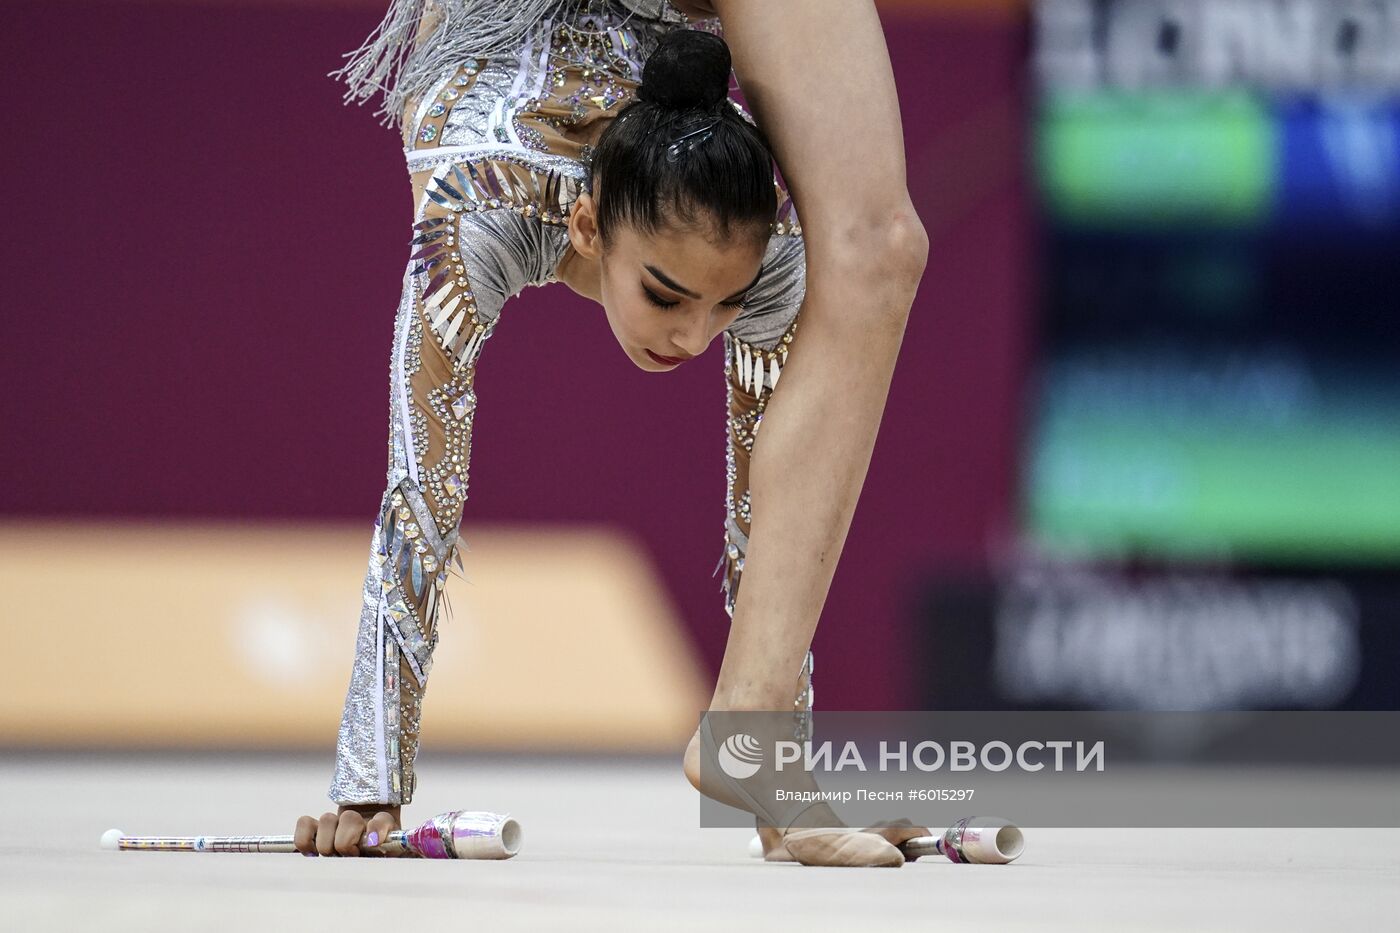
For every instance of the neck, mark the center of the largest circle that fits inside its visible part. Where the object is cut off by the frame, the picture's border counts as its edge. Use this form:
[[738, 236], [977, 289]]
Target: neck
[[582, 275]]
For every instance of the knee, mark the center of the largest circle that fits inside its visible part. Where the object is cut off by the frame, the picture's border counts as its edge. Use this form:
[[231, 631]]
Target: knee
[[885, 251], [906, 242], [900, 244]]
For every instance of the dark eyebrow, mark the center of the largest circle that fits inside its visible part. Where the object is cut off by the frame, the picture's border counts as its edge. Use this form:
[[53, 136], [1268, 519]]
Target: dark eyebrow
[[671, 283]]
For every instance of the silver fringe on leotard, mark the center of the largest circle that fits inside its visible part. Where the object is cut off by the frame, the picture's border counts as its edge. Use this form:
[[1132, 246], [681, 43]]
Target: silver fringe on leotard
[[389, 62]]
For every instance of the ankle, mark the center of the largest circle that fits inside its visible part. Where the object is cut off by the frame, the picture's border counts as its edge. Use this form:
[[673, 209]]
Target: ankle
[[754, 698]]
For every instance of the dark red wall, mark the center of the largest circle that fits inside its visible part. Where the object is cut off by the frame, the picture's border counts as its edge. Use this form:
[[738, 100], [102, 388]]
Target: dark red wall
[[203, 251]]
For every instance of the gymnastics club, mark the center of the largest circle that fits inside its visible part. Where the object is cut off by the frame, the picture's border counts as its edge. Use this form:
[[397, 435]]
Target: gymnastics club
[[976, 840], [457, 834]]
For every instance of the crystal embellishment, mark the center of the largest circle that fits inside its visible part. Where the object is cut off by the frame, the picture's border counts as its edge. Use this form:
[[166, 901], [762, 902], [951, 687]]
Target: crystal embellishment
[[464, 404], [428, 133]]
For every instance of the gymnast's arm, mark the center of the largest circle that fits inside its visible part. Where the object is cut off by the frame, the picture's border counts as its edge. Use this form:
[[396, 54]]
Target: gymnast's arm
[[472, 262], [866, 251]]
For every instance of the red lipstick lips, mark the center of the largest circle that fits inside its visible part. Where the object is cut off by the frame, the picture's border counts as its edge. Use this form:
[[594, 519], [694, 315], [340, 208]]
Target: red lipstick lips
[[667, 360]]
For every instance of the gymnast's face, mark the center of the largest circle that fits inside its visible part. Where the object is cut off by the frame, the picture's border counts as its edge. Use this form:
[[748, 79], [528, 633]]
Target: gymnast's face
[[667, 294]]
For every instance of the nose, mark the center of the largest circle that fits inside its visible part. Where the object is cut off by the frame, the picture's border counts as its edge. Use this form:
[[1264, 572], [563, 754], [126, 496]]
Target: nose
[[699, 330]]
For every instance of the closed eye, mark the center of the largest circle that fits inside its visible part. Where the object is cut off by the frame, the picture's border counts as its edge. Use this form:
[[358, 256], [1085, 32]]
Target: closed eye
[[660, 302], [657, 300]]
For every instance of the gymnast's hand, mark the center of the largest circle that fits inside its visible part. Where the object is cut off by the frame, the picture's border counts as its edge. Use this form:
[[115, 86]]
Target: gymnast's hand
[[347, 832]]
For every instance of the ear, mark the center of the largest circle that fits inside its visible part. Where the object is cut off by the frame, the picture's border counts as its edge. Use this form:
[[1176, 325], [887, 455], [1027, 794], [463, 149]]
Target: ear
[[583, 227]]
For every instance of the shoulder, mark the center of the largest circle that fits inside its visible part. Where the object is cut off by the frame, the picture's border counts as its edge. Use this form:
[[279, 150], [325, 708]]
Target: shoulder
[[504, 252], [506, 208], [773, 303]]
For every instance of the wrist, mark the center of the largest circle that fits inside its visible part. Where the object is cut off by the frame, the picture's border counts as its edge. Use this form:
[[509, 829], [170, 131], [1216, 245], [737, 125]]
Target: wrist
[[370, 809]]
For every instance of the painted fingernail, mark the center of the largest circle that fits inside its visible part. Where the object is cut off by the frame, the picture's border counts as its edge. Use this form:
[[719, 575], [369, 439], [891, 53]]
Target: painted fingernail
[[374, 838]]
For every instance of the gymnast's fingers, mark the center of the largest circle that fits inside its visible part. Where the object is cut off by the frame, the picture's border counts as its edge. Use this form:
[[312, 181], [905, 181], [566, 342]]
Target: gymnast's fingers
[[348, 833], [305, 837], [377, 831], [325, 833]]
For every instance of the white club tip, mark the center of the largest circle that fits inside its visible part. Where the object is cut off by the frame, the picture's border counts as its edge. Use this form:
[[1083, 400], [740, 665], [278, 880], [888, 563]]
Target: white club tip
[[110, 837], [756, 847]]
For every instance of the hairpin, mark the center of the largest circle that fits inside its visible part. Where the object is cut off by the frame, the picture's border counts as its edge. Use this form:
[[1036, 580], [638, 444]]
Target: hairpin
[[690, 140]]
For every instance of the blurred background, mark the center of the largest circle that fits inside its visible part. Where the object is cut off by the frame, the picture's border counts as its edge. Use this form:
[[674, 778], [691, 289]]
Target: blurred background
[[1142, 449]]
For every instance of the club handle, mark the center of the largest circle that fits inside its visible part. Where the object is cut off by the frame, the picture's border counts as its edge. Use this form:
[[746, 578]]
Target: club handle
[[457, 834], [202, 843]]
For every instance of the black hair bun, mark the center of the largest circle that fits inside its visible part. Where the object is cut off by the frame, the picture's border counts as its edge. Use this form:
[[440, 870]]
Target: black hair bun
[[689, 69]]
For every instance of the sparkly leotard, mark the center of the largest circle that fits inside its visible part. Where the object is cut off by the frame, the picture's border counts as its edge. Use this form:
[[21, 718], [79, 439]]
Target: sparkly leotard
[[497, 150]]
